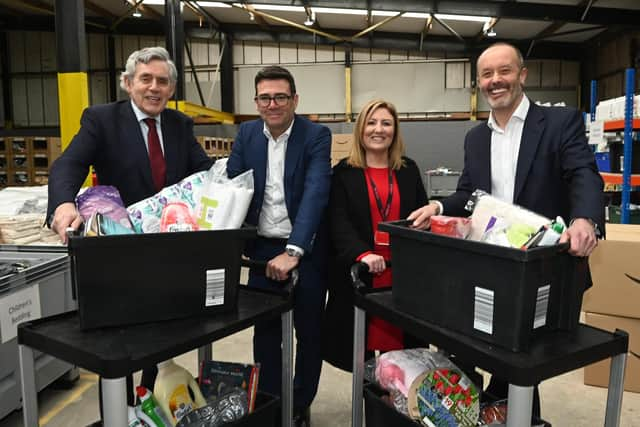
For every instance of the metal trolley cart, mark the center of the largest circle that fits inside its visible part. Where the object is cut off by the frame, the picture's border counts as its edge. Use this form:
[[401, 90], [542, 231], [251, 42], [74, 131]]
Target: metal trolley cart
[[115, 352], [552, 354]]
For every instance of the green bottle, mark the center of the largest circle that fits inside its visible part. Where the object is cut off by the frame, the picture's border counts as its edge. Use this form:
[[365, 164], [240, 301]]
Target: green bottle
[[151, 409]]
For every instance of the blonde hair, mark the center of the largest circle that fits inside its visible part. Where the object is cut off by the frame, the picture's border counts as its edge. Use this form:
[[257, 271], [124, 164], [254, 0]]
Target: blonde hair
[[357, 156]]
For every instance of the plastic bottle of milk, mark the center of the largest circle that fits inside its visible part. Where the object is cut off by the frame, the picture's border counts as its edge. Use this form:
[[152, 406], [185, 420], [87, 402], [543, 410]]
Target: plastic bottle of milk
[[171, 391]]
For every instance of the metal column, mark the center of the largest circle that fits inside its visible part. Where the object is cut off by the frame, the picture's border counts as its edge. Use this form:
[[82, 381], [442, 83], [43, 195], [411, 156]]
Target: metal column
[[287, 368], [616, 387], [226, 74], [114, 402], [359, 320], [28, 386], [630, 78], [174, 28], [520, 406], [594, 99]]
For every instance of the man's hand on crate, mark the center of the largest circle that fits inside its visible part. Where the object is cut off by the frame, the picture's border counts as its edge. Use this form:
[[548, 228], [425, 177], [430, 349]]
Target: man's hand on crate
[[65, 216], [278, 268], [422, 217], [581, 234]]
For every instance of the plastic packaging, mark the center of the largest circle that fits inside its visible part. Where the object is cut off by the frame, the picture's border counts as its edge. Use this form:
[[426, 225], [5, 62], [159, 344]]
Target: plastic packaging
[[106, 200], [450, 226], [176, 217], [224, 409], [150, 408], [133, 421], [173, 389]]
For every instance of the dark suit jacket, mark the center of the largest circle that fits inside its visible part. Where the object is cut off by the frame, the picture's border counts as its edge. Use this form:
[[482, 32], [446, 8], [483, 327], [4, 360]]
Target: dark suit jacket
[[111, 140], [351, 235], [556, 172], [307, 174]]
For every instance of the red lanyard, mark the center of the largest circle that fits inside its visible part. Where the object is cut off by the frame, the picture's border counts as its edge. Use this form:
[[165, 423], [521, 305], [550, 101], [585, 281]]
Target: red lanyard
[[384, 213]]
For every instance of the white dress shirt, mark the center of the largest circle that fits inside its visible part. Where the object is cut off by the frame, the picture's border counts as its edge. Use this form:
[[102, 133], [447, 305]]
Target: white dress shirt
[[505, 147], [145, 129], [274, 218]]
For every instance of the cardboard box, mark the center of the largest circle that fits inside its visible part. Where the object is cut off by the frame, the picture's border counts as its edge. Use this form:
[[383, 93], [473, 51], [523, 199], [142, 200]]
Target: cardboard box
[[598, 373], [340, 146], [616, 273]]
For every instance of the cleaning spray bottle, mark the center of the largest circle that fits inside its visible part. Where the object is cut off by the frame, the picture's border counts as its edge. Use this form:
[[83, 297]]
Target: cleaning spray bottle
[[134, 420], [173, 389], [149, 411]]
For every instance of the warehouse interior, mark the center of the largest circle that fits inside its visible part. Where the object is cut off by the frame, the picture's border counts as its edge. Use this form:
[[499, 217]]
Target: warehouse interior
[[420, 55]]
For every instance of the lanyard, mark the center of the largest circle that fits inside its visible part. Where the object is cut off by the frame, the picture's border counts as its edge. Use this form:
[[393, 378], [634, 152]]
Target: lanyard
[[384, 213]]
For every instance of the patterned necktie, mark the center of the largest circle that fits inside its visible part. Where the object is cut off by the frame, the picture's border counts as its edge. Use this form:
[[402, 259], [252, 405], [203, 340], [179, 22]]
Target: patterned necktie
[[158, 165]]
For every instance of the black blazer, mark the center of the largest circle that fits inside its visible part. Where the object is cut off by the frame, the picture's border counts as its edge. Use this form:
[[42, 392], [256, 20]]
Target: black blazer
[[111, 140], [351, 235], [556, 172]]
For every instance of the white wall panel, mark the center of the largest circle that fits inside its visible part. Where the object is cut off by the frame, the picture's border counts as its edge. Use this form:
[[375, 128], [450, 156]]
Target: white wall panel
[[413, 87], [417, 55], [533, 74], [339, 54], [379, 54], [454, 72], [270, 53], [550, 73], [98, 88], [569, 73], [199, 52], [35, 104], [32, 51], [16, 51], [51, 108], [288, 53], [361, 55], [96, 51], [48, 52], [324, 53], [19, 93], [252, 53], [320, 87], [238, 53], [306, 53], [398, 55]]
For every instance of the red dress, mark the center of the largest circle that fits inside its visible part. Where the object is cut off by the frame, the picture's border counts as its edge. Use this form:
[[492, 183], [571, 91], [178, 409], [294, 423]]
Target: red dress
[[382, 335]]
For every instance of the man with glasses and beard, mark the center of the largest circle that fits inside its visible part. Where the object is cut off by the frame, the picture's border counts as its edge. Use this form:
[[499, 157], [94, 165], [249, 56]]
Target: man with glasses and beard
[[532, 156], [290, 158]]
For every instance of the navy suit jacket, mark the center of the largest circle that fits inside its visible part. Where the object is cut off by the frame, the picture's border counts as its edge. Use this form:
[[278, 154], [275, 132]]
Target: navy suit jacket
[[556, 172], [307, 174], [111, 140]]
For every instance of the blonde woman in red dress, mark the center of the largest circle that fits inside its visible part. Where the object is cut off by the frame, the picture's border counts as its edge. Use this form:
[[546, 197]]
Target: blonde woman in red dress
[[375, 183]]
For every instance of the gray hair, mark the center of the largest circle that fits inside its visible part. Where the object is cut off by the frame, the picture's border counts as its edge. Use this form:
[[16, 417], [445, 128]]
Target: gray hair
[[144, 56]]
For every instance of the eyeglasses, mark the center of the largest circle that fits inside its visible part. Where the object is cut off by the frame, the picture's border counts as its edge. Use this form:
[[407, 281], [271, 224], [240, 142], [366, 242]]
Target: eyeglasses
[[265, 100]]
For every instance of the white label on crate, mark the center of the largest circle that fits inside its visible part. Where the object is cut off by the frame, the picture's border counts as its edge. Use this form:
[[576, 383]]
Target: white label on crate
[[596, 132], [542, 304], [483, 310], [18, 307], [215, 288]]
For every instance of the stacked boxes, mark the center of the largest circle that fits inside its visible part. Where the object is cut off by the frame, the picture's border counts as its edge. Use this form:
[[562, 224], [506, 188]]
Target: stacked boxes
[[340, 146], [612, 302], [216, 147], [26, 160]]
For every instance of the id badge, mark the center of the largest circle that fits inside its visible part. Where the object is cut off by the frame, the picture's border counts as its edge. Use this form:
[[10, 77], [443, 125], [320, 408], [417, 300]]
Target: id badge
[[381, 238]]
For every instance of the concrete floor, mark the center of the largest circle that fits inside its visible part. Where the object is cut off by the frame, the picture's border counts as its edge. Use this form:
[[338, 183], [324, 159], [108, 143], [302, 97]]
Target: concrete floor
[[566, 401]]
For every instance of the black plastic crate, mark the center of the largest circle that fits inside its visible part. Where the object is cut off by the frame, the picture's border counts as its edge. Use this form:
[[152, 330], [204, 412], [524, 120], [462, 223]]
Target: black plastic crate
[[128, 279], [265, 413], [502, 295], [379, 413]]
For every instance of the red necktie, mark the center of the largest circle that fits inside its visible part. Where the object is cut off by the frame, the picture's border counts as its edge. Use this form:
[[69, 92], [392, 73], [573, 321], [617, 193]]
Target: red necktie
[[158, 165]]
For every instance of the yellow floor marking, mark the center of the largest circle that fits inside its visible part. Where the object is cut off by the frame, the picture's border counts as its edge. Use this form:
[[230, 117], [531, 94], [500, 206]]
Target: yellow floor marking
[[85, 382]]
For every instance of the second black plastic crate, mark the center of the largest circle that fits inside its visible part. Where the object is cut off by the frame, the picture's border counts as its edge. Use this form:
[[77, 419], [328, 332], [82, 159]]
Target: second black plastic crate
[[501, 295], [137, 278], [379, 412], [265, 414]]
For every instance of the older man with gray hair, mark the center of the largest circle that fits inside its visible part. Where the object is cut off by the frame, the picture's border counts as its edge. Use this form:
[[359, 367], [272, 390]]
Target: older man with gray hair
[[136, 145]]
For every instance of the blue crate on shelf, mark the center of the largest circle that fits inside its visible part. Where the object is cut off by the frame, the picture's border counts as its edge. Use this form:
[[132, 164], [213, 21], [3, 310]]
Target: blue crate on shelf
[[602, 160]]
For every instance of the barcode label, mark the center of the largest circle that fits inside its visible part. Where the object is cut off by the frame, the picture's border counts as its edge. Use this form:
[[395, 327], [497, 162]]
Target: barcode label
[[542, 303], [483, 310], [215, 288], [209, 214]]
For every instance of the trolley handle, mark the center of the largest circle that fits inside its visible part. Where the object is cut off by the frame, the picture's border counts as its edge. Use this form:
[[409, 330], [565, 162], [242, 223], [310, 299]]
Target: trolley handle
[[260, 266], [358, 270]]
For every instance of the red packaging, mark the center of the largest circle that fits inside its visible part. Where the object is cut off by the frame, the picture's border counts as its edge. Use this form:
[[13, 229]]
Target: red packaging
[[176, 217], [450, 226]]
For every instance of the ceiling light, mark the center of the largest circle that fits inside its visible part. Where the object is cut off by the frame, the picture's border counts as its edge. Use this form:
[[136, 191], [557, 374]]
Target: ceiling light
[[383, 13], [466, 18], [136, 14], [491, 33], [211, 4], [339, 11], [416, 15], [311, 19], [252, 17], [279, 8]]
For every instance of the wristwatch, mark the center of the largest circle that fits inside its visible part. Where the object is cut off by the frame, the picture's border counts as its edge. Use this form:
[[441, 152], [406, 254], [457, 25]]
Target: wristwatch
[[293, 252]]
